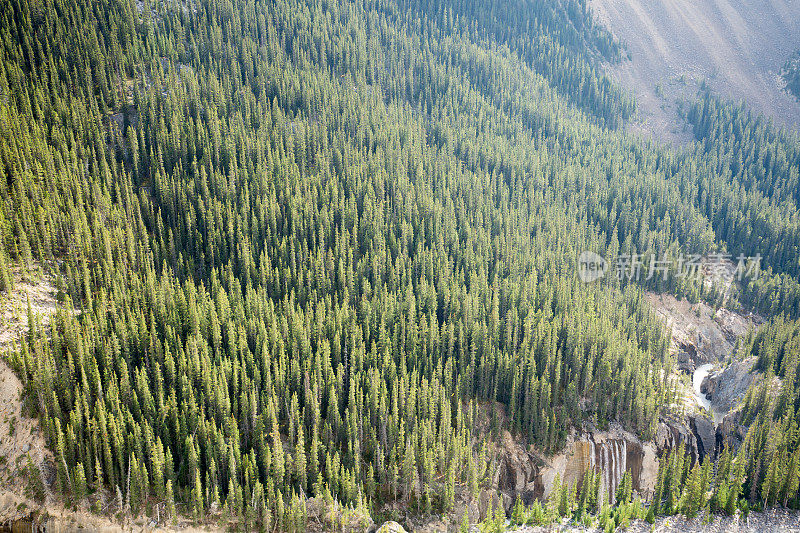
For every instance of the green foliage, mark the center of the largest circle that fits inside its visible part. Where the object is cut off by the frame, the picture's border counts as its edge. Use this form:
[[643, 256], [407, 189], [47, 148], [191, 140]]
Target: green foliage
[[494, 521], [34, 487], [625, 488], [765, 471], [755, 182], [464, 526], [518, 514], [311, 243]]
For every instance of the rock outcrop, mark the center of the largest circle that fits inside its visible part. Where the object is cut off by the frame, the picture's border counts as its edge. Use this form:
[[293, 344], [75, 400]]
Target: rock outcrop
[[701, 334], [672, 433], [518, 473], [698, 435], [725, 388], [731, 432], [611, 453], [705, 436]]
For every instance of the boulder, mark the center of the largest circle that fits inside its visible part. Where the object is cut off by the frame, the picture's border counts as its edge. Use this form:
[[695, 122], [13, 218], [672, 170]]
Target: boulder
[[390, 527]]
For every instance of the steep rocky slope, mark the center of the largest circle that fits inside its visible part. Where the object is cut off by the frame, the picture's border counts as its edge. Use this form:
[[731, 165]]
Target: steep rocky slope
[[25, 461], [738, 46], [703, 341], [726, 387]]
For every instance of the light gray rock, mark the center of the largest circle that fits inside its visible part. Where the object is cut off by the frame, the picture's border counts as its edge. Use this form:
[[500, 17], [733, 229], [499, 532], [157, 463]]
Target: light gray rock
[[727, 387], [391, 527]]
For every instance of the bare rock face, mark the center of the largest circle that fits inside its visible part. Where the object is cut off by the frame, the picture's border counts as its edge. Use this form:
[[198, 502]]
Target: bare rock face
[[706, 436], [516, 474], [685, 361], [489, 500], [700, 334], [734, 325], [611, 453], [727, 387], [698, 434], [731, 432], [671, 434]]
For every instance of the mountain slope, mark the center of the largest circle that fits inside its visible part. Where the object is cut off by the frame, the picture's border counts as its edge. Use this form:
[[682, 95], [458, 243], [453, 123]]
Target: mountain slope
[[738, 46], [313, 244]]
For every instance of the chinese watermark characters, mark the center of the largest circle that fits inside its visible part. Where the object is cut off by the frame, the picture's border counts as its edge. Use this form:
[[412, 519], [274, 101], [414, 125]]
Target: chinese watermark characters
[[645, 267]]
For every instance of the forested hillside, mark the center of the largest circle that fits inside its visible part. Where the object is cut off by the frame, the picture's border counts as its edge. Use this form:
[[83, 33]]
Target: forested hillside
[[309, 241]]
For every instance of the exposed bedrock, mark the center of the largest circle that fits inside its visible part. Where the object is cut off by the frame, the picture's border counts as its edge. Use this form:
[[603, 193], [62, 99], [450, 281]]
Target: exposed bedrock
[[731, 431], [671, 434], [611, 453], [705, 436], [521, 472], [698, 435], [726, 387], [517, 473]]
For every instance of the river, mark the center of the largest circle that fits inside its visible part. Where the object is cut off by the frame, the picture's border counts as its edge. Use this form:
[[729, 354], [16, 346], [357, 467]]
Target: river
[[699, 375]]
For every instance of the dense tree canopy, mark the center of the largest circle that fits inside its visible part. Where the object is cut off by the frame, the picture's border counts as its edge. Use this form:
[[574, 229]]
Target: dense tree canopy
[[308, 240]]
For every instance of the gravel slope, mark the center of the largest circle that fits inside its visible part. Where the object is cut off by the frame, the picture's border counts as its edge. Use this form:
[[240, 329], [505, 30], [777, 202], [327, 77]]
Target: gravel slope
[[739, 46]]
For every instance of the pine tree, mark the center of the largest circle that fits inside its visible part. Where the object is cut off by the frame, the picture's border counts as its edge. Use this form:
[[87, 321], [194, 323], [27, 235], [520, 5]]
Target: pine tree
[[625, 489], [171, 513]]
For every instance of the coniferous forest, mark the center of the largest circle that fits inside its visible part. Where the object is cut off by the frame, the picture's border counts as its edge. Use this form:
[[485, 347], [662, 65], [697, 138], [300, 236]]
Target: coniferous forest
[[300, 245]]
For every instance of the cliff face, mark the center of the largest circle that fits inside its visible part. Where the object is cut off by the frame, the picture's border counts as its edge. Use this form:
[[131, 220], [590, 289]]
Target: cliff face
[[521, 471], [672, 433], [612, 453], [517, 474], [700, 333], [726, 387]]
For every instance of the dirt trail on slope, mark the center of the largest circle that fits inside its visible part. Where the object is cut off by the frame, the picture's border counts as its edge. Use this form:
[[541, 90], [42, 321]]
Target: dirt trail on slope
[[738, 46]]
